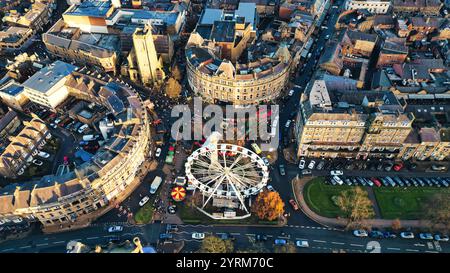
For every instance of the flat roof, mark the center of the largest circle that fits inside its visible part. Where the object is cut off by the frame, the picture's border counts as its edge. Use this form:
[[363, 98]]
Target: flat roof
[[92, 8], [47, 77], [211, 15], [12, 89]]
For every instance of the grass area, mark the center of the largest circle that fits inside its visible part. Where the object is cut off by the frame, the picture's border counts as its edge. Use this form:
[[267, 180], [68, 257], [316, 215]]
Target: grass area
[[404, 203], [319, 197], [145, 214], [193, 216]]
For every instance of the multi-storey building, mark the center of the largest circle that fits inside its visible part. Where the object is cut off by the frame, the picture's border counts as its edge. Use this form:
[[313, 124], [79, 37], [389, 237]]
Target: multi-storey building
[[19, 153], [374, 6], [47, 86], [213, 55], [427, 7], [84, 193], [350, 124], [13, 95]]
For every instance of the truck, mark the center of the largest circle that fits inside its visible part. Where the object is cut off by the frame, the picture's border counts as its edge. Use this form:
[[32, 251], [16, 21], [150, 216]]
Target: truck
[[155, 184]]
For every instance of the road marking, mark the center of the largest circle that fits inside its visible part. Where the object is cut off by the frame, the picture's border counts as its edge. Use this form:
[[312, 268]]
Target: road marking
[[338, 243], [92, 238], [8, 249], [428, 251], [250, 234], [319, 241], [356, 245], [302, 226], [313, 227], [301, 239], [269, 236], [297, 226], [59, 242], [412, 250], [23, 247], [393, 248], [437, 245], [44, 244], [236, 233]]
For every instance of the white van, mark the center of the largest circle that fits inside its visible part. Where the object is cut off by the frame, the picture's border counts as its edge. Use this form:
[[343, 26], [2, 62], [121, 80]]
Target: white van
[[338, 180], [82, 128], [155, 184]]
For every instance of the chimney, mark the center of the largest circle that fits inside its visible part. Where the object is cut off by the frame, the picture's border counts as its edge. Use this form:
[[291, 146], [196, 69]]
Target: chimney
[[16, 194], [91, 85]]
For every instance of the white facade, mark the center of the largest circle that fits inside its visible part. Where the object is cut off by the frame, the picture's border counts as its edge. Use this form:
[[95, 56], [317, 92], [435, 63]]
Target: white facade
[[374, 6]]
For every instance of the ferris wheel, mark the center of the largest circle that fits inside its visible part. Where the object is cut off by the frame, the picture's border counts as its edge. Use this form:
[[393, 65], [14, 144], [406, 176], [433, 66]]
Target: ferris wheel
[[226, 171]]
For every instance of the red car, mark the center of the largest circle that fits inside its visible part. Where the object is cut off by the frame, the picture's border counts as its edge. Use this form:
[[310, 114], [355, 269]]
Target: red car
[[398, 167], [376, 181], [293, 204]]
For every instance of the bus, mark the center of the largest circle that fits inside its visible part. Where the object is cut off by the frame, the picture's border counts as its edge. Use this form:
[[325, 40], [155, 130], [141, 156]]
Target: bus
[[155, 184]]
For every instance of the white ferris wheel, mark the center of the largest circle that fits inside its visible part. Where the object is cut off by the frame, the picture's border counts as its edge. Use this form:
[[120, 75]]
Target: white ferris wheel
[[226, 171]]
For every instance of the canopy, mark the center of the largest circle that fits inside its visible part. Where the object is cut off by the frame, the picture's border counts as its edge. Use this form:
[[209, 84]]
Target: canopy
[[178, 193]]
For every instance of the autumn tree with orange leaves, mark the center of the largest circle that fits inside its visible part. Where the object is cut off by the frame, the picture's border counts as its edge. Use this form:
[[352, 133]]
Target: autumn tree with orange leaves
[[268, 205]]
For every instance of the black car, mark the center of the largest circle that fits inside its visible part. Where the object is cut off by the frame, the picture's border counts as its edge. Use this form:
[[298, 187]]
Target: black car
[[388, 234], [376, 234]]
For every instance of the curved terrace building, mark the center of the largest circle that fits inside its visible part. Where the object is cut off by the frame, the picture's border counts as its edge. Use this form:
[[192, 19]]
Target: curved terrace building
[[109, 176], [226, 62]]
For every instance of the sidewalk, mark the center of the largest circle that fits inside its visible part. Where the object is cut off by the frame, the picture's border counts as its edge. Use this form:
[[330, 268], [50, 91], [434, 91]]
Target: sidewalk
[[297, 187]]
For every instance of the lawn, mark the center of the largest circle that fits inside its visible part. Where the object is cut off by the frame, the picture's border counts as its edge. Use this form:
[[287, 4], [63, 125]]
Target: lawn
[[404, 203], [319, 197], [144, 214]]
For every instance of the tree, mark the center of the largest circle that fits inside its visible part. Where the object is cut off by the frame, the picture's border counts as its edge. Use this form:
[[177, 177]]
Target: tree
[[176, 73], [268, 205], [287, 248], [356, 204], [396, 224], [173, 88], [213, 244], [437, 210]]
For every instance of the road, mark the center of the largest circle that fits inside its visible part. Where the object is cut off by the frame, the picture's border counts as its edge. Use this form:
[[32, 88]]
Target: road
[[321, 239]]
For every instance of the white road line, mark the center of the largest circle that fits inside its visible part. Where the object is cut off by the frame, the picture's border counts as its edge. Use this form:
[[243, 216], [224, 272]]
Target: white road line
[[393, 248], [302, 226], [301, 239], [8, 249], [313, 227], [412, 250], [23, 247], [319, 241], [269, 236], [236, 233], [59, 242], [428, 251], [250, 234], [356, 245], [44, 244], [92, 238], [297, 226], [338, 243]]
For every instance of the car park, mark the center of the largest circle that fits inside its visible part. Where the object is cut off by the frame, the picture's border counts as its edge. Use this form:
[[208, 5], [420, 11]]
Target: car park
[[302, 243], [426, 236], [311, 164], [320, 165], [114, 229], [407, 235], [360, 233], [144, 201], [302, 163], [198, 235]]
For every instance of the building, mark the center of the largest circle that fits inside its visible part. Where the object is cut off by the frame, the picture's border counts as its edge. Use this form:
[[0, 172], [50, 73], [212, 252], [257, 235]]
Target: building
[[264, 7], [149, 67], [213, 54], [15, 38], [9, 123], [12, 94], [374, 6], [47, 86], [78, 197], [392, 53], [19, 153], [425, 7], [35, 18], [427, 143], [351, 124]]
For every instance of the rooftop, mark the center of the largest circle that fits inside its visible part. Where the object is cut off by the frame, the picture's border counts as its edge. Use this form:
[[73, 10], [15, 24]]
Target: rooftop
[[90, 8], [47, 77]]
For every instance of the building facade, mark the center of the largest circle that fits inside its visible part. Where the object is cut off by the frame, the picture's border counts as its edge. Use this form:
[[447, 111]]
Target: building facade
[[374, 6]]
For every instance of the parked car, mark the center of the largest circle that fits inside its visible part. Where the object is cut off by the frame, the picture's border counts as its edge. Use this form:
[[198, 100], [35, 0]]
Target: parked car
[[266, 161], [360, 233], [144, 201], [280, 242], [376, 181], [426, 236], [43, 154], [376, 234], [441, 238], [388, 234], [302, 243], [114, 229], [311, 164], [158, 152], [256, 148], [82, 128], [438, 168], [282, 170], [288, 123], [407, 235], [293, 204], [306, 172], [37, 162], [164, 236], [398, 167], [336, 172], [198, 235], [270, 188], [320, 165], [388, 167], [172, 209], [302, 163]]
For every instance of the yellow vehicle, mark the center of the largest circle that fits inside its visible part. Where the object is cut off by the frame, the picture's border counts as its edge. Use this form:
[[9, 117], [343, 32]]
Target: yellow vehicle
[[256, 148]]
